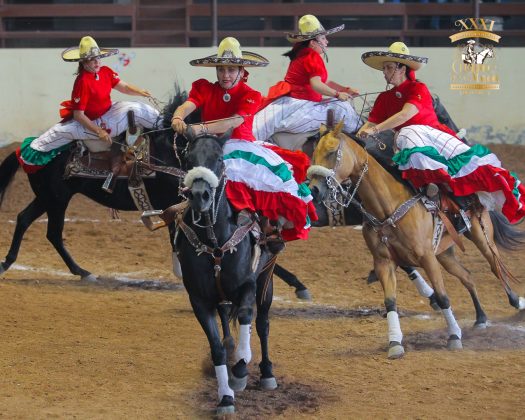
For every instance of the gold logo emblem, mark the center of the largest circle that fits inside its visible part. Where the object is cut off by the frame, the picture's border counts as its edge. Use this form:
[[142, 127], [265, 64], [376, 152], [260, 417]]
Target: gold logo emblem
[[474, 68]]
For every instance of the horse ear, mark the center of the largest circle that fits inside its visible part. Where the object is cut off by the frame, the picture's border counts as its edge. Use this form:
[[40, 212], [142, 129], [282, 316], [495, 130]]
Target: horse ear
[[323, 129], [338, 128], [226, 136], [189, 133]]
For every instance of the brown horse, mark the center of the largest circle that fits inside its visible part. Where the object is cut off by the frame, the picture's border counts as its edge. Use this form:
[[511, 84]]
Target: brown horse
[[399, 230]]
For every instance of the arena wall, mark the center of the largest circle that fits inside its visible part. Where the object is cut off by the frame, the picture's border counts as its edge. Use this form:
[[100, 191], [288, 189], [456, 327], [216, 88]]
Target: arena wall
[[35, 81]]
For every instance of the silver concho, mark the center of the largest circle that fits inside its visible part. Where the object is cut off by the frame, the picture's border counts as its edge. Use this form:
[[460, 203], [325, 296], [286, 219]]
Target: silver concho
[[398, 95], [226, 97]]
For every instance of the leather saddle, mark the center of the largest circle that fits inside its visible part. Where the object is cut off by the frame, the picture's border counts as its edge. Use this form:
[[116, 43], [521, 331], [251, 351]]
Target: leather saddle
[[86, 164]]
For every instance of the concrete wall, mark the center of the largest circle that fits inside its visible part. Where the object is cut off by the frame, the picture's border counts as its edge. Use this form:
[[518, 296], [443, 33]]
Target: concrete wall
[[34, 82]]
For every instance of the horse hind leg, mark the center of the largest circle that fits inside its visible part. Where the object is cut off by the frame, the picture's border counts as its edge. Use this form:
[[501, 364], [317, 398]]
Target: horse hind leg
[[25, 218], [448, 261], [55, 228], [482, 237], [431, 266]]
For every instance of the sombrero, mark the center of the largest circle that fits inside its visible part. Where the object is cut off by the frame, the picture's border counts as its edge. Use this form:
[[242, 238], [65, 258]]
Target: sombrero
[[87, 50], [309, 28], [229, 54], [398, 52]]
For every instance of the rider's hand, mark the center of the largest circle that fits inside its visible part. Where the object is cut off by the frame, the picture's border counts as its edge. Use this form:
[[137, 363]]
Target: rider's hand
[[364, 133], [104, 135], [352, 92], [178, 125], [145, 93], [343, 96]]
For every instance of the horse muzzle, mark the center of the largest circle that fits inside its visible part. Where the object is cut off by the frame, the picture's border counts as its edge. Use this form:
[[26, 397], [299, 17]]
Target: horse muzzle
[[200, 196]]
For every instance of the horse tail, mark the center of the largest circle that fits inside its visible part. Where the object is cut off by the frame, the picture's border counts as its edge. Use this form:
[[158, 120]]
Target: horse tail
[[506, 236], [8, 170]]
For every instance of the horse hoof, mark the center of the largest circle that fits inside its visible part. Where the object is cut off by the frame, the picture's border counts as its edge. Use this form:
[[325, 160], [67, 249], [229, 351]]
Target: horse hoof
[[2, 269], [480, 326], [90, 278], [303, 294], [238, 384], [395, 351], [268, 384], [226, 406], [454, 343]]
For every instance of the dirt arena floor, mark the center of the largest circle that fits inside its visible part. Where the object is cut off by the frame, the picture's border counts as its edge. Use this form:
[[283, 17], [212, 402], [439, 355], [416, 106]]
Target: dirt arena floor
[[115, 350]]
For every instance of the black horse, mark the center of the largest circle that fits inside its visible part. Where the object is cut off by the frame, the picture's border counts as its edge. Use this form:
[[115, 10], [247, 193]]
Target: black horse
[[53, 194], [222, 265]]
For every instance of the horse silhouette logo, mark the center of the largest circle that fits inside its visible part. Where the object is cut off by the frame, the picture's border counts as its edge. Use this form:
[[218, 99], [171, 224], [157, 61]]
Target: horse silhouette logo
[[471, 56]]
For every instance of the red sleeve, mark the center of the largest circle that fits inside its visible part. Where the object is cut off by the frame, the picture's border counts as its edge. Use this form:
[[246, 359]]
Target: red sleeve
[[314, 65], [378, 114], [199, 92], [111, 75], [250, 103], [80, 94], [418, 95]]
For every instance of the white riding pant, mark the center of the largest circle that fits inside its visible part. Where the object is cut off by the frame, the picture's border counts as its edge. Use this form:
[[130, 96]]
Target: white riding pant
[[115, 121], [287, 114]]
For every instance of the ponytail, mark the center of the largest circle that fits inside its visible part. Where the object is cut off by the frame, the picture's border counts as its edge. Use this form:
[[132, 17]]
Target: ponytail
[[292, 54]]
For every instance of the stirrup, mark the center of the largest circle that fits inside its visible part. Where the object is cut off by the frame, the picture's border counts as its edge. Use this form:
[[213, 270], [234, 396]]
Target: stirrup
[[109, 183]]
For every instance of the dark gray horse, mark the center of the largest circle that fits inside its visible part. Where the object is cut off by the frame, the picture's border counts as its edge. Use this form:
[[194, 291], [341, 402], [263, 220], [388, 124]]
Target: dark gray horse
[[221, 267]]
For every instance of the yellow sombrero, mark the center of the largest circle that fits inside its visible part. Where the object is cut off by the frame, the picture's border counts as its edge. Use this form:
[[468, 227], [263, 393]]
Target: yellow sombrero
[[229, 54], [398, 52], [87, 50], [309, 28]]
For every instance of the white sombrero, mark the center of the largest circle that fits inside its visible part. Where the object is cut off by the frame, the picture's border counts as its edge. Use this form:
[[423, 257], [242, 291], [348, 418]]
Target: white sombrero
[[229, 54], [309, 28], [87, 50], [398, 52]]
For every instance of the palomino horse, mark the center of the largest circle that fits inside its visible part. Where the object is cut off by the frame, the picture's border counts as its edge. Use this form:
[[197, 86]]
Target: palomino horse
[[398, 228], [221, 265]]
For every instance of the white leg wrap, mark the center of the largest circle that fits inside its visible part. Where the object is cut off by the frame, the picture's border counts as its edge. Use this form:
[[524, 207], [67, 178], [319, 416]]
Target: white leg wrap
[[176, 266], [521, 304], [394, 328], [453, 327], [421, 285], [221, 372], [244, 350]]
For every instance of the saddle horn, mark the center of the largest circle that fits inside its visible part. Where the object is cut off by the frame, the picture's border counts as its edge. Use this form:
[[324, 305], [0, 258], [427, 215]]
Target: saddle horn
[[330, 119], [338, 128]]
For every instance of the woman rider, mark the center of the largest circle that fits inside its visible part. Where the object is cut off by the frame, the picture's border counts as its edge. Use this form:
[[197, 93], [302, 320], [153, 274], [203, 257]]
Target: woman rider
[[258, 178], [295, 105], [90, 114], [429, 152]]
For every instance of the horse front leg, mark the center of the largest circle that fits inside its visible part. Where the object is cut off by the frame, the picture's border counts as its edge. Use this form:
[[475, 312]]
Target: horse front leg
[[431, 266], [177, 270], [25, 218], [243, 352], [262, 322], [205, 314], [385, 270]]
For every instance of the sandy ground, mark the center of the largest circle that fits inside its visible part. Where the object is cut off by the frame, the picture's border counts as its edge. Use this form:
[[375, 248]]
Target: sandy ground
[[71, 350]]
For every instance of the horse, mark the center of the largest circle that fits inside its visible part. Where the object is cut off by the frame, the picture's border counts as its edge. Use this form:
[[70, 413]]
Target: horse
[[53, 194], [221, 266], [399, 230], [484, 54]]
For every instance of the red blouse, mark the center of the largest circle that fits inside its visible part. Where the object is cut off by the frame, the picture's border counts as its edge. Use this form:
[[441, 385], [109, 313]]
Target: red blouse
[[307, 64], [92, 92], [413, 92], [244, 102]]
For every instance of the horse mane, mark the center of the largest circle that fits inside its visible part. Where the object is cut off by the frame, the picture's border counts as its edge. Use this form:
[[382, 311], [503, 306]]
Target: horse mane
[[177, 99]]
